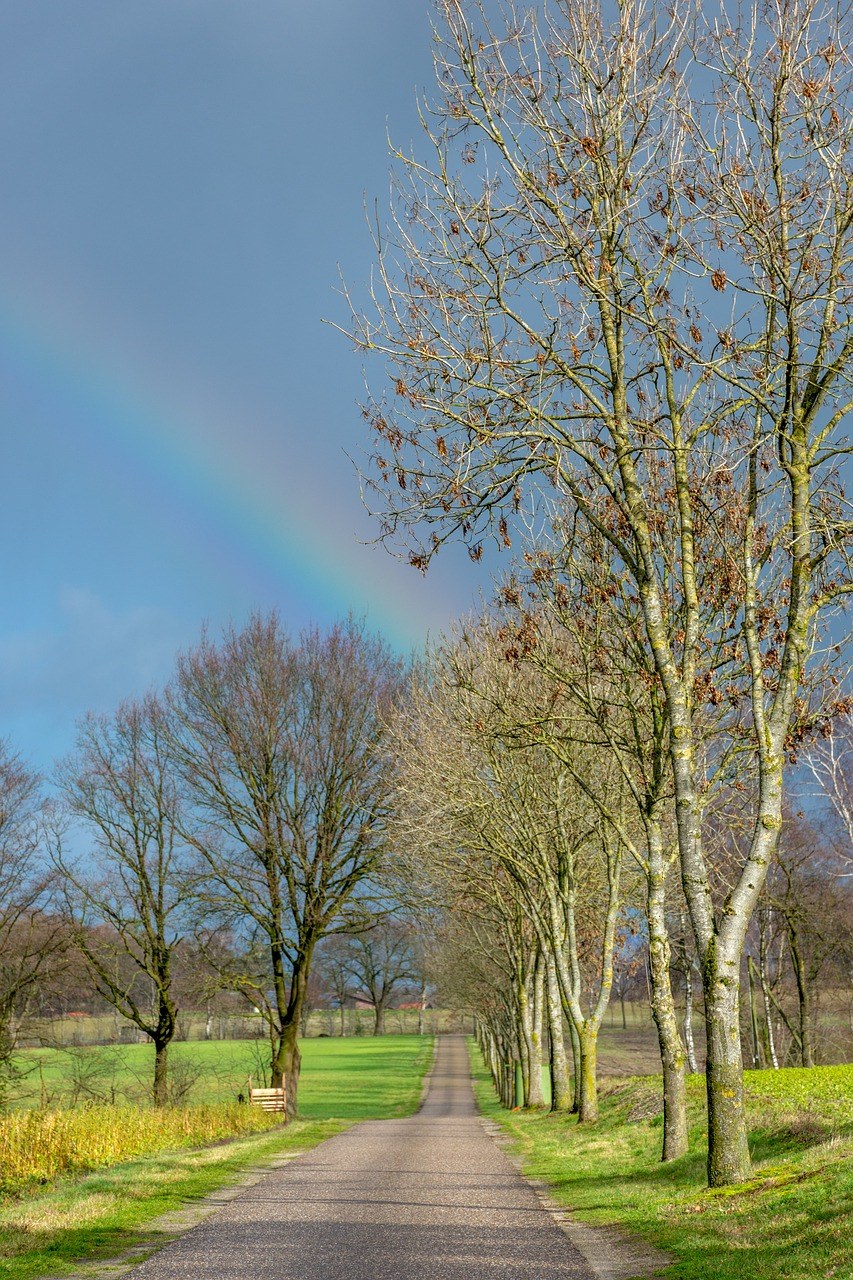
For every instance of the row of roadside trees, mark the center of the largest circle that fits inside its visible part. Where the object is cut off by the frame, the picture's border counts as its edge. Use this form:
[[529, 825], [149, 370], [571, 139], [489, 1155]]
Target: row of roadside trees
[[612, 314], [519, 826]]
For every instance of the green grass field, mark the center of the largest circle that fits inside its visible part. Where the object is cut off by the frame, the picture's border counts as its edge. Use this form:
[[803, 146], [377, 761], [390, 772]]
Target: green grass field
[[360, 1071], [50, 1230], [792, 1222]]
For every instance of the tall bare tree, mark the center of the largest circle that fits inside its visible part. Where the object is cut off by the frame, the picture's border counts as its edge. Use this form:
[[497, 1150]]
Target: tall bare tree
[[125, 891], [279, 745], [623, 280]]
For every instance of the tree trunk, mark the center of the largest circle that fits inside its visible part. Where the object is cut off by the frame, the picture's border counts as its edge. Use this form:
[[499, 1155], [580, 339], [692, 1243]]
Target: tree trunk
[[522, 1032], [162, 1037], [161, 1080], [663, 1012], [728, 1150], [753, 1015], [286, 1066], [534, 1097], [379, 1019], [588, 1100], [765, 993], [692, 1062], [576, 1067], [804, 998], [689, 1042], [561, 1089], [287, 1059]]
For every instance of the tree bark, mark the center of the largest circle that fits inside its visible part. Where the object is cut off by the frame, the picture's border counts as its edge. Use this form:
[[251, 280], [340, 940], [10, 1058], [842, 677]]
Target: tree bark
[[728, 1150], [765, 993], [588, 1101], [161, 1080], [286, 1066], [663, 1012], [163, 1034], [576, 1067], [561, 1088], [753, 1015], [534, 1096], [287, 1060], [804, 998], [692, 1061]]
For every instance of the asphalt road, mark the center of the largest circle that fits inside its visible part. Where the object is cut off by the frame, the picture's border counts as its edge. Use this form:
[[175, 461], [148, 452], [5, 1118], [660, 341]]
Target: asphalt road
[[427, 1198]]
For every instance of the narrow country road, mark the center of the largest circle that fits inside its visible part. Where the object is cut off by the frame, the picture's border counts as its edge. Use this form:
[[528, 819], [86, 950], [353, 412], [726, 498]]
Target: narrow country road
[[427, 1198]]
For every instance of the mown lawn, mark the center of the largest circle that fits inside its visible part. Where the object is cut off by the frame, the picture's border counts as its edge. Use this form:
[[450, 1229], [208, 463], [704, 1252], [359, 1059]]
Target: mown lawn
[[794, 1221], [49, 1230], [371, 1072]]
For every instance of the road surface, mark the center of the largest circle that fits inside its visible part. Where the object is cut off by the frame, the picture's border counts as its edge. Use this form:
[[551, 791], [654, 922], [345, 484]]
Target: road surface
[[430, 1197]]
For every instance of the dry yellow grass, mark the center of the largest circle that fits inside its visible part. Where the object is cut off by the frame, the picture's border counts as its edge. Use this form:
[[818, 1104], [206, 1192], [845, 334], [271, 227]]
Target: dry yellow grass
[[37, 1146]]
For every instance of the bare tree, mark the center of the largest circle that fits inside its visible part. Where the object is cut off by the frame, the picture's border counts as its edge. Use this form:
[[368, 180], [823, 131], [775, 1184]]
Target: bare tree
[[812, 902], [331, 966], [126, 895], [624, 281], [279, 745], [829, 759], [380, 963], [31, 938]]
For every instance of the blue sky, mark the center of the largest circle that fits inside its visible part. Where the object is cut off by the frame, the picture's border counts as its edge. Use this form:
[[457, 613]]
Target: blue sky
[[182, 180]]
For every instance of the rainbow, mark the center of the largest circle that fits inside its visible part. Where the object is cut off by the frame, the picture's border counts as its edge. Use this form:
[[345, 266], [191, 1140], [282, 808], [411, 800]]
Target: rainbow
[[194, 457]]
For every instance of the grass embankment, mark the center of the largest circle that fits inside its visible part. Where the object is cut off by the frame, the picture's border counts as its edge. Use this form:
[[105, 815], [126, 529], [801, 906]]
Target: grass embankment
[[793, 1221], [48, 1230]]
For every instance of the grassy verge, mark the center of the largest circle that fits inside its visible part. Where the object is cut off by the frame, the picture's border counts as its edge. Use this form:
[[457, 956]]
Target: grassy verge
[[792, 1221], [103, 1213]]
